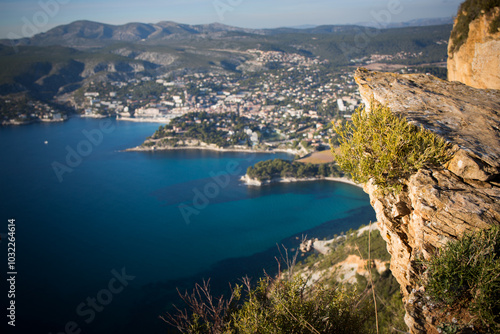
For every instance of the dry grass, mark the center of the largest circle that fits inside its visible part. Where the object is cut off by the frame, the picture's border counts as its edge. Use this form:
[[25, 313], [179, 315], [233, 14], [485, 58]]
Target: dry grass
[[317, 158]]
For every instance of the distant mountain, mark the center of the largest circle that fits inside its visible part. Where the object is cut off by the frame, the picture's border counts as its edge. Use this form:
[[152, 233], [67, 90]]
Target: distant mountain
[[412, 23], [423, 22], [324, 29], [304, 26], [89, 34], [68, 56], [85, 34]]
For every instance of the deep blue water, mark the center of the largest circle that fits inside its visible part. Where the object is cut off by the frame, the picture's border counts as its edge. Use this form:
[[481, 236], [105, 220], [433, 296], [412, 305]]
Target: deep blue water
[[165, 219]]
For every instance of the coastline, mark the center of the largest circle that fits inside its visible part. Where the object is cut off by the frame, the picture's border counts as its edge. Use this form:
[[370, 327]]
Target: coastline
[[256, 183], [94, 116], [210, 147], [245, 178], [33, 121], [144, 120]]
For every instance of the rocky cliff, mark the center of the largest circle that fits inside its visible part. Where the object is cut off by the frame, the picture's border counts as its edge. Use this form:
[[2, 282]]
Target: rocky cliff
[[474, 53], [438, 204]]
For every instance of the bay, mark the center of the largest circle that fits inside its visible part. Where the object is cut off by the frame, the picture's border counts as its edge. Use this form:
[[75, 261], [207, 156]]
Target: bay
[[87, 212]]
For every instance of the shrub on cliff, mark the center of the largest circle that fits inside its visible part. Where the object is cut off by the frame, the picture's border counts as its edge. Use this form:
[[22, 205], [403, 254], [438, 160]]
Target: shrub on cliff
[[466, 274], [386, 148]]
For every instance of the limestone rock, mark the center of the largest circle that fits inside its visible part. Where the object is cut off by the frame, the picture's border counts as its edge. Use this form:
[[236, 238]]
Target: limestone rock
[[438, 204], [465, 116], [306, 245], [477, 61]]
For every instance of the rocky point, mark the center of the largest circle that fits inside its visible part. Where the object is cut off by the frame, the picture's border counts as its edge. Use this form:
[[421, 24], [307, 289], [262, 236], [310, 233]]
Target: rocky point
[[438, 205]]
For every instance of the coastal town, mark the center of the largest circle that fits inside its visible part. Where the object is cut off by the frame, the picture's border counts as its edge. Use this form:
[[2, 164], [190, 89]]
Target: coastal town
[[297, 85], [25, 111], [296, 100], [274, 100]]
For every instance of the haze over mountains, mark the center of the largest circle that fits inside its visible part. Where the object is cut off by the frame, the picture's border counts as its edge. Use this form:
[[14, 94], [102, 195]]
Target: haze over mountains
[[79, 33], [413, 23]]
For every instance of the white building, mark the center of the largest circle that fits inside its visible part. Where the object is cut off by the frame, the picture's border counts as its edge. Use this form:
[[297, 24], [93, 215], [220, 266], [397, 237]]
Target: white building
[[340, 104], [149, 112]]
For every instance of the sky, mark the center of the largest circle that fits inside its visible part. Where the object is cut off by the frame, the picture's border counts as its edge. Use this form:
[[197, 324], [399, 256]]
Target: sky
[[24, 18]]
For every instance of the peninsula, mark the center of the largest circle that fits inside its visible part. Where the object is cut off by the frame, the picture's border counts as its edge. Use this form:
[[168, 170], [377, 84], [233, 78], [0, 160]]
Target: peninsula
[[231, 132]]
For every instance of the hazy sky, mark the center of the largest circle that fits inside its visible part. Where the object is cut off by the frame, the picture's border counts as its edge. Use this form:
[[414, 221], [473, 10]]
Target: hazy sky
[[26, 17]]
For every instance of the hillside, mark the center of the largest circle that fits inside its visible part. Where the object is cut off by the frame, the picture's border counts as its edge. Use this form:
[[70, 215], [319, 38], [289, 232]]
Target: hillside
[[328, 292], [69, 56]]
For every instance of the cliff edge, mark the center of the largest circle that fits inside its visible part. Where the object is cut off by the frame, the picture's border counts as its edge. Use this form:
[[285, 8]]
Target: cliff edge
[[437, 205], [474, 47]]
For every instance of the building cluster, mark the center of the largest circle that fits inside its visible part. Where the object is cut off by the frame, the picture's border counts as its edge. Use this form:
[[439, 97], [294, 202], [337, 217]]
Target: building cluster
[[298, 89], [26, 111], [289, 58], [378, 58]]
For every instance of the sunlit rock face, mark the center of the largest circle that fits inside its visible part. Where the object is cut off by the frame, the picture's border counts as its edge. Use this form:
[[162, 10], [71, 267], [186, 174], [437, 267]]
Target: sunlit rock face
[[477, 62]]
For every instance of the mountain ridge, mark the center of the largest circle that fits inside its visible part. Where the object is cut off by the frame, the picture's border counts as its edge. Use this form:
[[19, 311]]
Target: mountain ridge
[[80, 33], [118, 53]]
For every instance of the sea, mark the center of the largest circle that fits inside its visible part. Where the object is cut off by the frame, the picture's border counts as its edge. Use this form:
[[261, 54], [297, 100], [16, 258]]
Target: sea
[[106, 238]]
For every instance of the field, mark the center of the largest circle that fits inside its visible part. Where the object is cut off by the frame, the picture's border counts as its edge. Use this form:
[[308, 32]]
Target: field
[[321, 157]]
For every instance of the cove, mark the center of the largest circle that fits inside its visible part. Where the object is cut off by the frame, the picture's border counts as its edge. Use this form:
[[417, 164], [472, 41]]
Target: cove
[[122, 212]]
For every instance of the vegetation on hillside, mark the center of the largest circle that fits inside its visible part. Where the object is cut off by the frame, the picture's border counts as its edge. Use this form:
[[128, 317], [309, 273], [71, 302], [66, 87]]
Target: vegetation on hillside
[[278, 168], [342, 47], [369, 247], [386, 148], [463, 278], [468, 12], [290, 304], [273, 306], [203, 127]]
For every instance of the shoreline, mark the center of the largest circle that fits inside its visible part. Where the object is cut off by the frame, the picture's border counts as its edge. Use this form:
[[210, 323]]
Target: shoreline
[[144, 120], [321, 246], [33, 121], [244, 178], [256, 183], [209, 148], [94, 116]]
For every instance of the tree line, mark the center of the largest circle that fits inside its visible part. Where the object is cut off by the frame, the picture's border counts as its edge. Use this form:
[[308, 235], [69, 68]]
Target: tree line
[[278, 168]]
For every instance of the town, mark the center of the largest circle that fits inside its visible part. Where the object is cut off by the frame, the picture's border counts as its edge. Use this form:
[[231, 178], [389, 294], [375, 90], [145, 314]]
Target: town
[[296, 99], [273, 100]]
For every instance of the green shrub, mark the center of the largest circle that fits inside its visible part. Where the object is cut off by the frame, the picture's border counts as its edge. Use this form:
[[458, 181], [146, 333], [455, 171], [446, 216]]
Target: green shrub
[[467, 273], [386, 148], [280, 306], [468, 12], [284, 307]]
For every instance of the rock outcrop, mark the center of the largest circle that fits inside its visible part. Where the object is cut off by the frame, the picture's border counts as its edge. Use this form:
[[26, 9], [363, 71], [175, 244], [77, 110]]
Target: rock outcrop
[[477, 61], [438, 204]]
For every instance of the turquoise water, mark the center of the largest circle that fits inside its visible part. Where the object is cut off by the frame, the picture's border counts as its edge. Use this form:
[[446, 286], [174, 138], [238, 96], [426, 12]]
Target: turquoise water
[[165, 218]]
